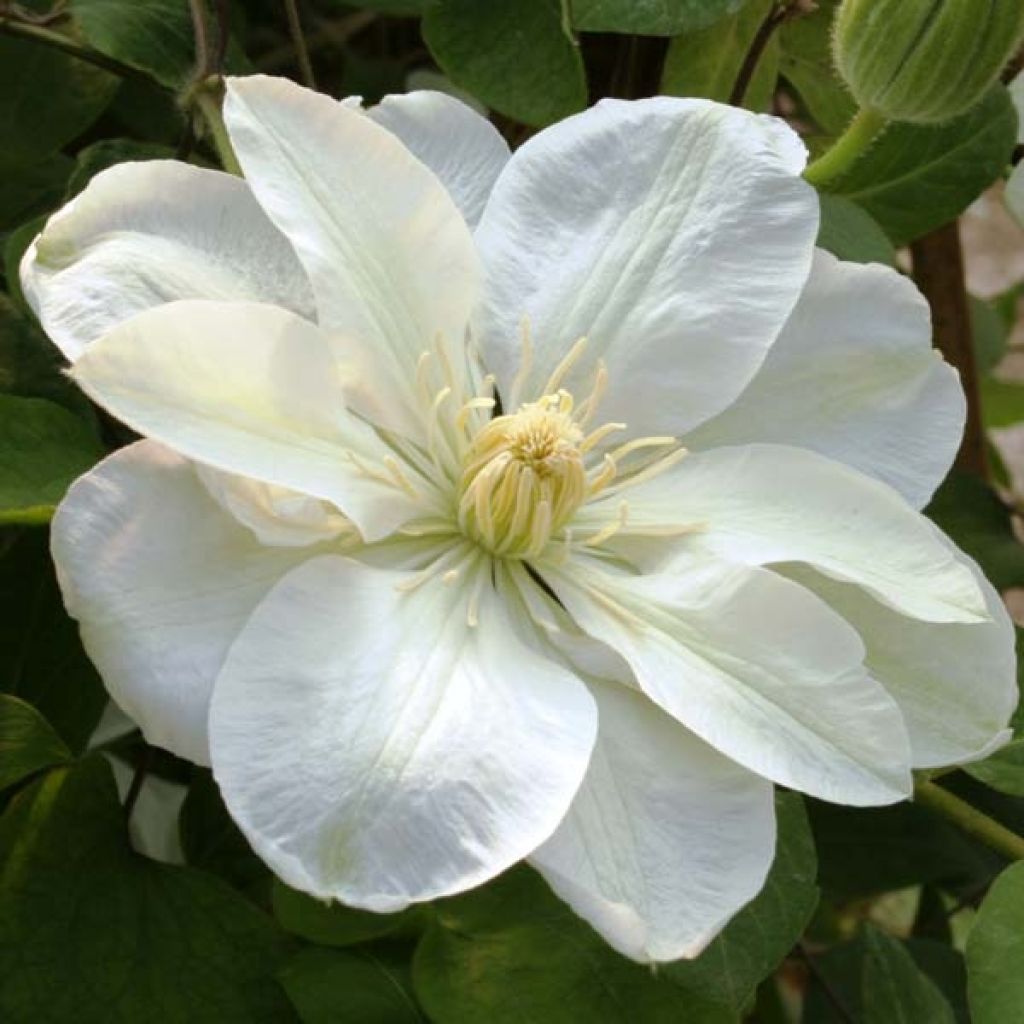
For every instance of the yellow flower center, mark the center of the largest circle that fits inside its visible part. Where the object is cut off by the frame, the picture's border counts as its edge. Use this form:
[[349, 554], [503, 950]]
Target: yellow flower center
[[524, 477]]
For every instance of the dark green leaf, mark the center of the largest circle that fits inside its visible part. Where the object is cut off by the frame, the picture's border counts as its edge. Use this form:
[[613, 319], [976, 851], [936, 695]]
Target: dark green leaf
[[864, 851], [852, 234], [41, 657], [14, 248], [990, 332], [333, 986], [154, 36], [513, 56], [409, 7], [31, 365], [333, 924], [212, 841], [32, 188], [806, 63], [92, 933], [995, 952], [47, 98], [918, 177], [27, 742], [43, 448], [755, 942], [894, 990], [650, 17], [978, 520], [512, 952], [707, 62]]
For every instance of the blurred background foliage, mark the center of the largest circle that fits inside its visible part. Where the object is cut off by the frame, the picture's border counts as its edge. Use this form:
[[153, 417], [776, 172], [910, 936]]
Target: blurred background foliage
[[126, 893]]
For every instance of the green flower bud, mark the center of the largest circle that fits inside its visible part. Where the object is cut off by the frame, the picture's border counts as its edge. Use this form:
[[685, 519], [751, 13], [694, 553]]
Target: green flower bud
[[924, 61]]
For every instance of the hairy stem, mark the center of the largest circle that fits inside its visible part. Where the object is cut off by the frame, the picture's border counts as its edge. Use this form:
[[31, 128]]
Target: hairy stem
[[969, 819], [847, 149]]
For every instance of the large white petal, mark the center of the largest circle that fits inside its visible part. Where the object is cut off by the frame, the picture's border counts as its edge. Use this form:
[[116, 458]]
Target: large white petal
[[252, 390], [674, 234], [955, 683], [141, 234], [161, 580], [464, 150], [853, 375], [666, 838], [755, 665], [764, 503], [377, 749], [389, 255]]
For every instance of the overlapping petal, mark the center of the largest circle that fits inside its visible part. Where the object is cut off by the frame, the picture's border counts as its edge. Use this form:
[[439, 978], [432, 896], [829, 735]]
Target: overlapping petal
[[755, 665], [390, 257], [956, 684], [674, 234], [142, 234], [765, 503], [853, 375], [464, 150], [256, 391], [666, 838], [161, 580], [404, 753]]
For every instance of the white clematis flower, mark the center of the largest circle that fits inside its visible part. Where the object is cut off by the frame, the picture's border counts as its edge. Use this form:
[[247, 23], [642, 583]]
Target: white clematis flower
[[550, 506]]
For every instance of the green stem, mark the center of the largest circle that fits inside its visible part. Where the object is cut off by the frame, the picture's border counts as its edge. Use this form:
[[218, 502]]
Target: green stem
[[847, 149], [46, 36], [291, 8], [969, 818], [208, 104]]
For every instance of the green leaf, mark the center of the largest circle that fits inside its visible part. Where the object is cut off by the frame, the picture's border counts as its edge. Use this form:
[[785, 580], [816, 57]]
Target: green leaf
[[978, 520], [333, 924], [47, 98], [1002, 401], [756, 941], [333, 986], [92, 933], [805, 61], [43, 448], [513, 56], [32, 188], [41, 656], [154, 36], [918, 177], [851, 233], [28, 743], [895, 990], [400, 7], [512, 952], [1003, 770], [650, 17], [995, 952], [14, 248], [990, 332], [706, 62]]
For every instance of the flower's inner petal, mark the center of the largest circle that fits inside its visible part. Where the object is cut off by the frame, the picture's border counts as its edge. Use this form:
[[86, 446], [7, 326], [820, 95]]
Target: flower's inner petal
[[764, 503], [674, 234], [853, 375], [755, 665], [463, 148], [161, 580], [666, 838], [390, 258], [142, 234], [378, 749], [256, 391]]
